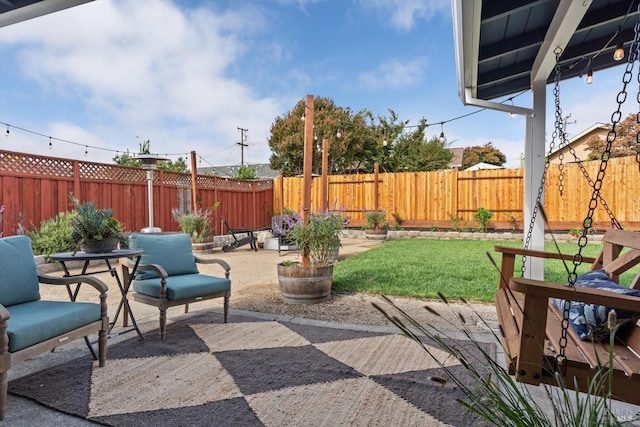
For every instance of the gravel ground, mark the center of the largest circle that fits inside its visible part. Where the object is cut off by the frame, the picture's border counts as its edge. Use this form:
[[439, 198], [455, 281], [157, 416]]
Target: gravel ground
[[255, 288]]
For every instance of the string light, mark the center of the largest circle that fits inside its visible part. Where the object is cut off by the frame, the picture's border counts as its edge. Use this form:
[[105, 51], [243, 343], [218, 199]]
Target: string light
[[7, 134], [618, 54], [442, 138], [384, 137], [339, 133], [86, 150], [50, 144]]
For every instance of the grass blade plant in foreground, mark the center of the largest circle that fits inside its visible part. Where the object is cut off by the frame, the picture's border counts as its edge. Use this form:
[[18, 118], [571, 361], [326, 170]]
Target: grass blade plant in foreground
[[496, 397]]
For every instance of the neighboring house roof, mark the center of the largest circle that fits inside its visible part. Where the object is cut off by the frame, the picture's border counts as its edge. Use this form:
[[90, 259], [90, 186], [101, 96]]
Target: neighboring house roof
[[456, 160], [263, 171], [579, 144], [483, 165]]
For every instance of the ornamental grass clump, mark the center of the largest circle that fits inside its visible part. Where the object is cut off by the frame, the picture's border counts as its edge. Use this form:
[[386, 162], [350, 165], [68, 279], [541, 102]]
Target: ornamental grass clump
[[195, 224], [495, 396]]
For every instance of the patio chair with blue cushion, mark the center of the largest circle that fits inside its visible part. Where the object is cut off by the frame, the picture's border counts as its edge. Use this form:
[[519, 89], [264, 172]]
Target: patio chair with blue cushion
[[167, 275], [30, 326]]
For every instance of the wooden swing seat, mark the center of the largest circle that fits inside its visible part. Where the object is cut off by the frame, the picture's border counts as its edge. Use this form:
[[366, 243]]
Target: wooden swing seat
[[531, 326]]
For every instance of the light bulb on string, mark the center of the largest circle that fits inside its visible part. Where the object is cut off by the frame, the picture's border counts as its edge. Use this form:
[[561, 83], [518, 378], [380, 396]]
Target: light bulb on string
[[442, 138], [589, 79], [618, 54], [339, 133], [86, 150], [8, 132], [50, 144], [117, 156], [384, 137]]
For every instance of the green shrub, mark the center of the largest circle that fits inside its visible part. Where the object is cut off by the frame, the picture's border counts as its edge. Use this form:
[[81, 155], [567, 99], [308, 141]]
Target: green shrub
[[483, 216], [53, 235]]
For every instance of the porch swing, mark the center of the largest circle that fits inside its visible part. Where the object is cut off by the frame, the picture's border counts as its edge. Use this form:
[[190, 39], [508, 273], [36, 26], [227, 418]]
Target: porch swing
[[540, 341]]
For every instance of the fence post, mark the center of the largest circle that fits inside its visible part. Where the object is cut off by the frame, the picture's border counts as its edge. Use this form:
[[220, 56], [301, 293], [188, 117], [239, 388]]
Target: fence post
[[194, 182], [376, 200]]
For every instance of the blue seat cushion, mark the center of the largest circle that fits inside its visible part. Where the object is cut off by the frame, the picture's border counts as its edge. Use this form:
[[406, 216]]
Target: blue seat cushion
[[172, 251], [589, 321], [36, 321], [183, 286], [19, 281]]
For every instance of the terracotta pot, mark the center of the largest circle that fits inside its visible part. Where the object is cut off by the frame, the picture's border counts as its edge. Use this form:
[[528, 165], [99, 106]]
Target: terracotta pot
[[309, 285]]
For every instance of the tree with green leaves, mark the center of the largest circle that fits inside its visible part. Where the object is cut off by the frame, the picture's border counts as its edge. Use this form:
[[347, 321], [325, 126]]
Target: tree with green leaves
[[126, 159], [625, 143], [412, 152], [486, 153], [356, 141], [247, 172]]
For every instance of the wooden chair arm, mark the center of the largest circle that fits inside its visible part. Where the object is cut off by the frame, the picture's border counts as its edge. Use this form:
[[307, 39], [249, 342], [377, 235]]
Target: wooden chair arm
[[222, 263], [507, 250], [538, 288], [129, 264], [4, 314], [98, 284]]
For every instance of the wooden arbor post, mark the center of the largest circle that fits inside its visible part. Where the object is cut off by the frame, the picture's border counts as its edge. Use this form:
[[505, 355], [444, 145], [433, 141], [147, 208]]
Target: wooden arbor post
[[308, 164]]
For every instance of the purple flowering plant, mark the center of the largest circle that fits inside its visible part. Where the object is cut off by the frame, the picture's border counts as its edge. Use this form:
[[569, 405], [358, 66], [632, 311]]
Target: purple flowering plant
[[319, 238], [195, 224]]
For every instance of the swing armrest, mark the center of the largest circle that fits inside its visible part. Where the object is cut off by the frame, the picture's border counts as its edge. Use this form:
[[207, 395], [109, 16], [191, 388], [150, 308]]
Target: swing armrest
[[510, 251], [538, 288]]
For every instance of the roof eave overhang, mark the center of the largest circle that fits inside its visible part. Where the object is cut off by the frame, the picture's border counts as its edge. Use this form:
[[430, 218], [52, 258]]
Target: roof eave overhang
[[37, 9], [466, 29]]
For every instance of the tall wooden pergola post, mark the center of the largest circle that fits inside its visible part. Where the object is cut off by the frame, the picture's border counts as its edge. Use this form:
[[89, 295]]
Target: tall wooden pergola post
[[308, 164], [325, 176]]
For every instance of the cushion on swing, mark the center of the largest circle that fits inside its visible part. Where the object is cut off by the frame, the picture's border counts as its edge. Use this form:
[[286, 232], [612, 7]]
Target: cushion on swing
[[589, 321]]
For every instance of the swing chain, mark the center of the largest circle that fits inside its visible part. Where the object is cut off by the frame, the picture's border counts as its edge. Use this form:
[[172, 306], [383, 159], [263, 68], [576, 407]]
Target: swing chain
[[603, 202], [534, 213], [616, 117]]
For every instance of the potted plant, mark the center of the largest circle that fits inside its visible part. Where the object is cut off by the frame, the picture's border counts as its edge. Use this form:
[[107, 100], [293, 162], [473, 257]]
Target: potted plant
[[375, 227], [318, 240], [95, 230], [197, 226]]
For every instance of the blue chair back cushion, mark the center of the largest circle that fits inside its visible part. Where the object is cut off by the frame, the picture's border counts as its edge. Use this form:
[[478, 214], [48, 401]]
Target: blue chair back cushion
[[171, 251], [18, 273], [183, 286], [589, 321], [37, 321]]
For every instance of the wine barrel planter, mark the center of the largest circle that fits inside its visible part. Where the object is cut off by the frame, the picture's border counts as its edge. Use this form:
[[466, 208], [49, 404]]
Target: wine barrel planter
[[309, 285], [375, 234], [204, 247]]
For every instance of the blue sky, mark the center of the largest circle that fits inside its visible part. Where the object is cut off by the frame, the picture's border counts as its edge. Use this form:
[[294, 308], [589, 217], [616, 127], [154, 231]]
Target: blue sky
[[186, 74]]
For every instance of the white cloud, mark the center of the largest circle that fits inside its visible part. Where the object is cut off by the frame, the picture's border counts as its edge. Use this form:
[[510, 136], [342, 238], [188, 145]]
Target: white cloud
[[149, 68], [395, 74], [404, 13]]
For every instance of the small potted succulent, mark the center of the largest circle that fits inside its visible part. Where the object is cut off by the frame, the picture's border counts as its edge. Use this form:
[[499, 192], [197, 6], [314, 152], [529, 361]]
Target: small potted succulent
[[95, 230]]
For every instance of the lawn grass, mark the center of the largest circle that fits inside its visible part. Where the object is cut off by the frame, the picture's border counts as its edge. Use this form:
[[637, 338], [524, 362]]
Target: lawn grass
[[422, 267]]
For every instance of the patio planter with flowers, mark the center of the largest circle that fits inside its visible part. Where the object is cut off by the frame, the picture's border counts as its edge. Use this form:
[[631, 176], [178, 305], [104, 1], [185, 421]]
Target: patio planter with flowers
[[309, 281], [197, 226]]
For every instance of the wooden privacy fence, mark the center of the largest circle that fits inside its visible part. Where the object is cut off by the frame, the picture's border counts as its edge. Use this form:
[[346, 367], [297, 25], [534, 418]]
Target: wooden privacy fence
[[35, 188], [445, 198]]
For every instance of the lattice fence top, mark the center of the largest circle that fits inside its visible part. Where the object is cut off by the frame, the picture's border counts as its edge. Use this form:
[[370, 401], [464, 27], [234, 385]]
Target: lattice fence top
[[30, 164], [21, 163]]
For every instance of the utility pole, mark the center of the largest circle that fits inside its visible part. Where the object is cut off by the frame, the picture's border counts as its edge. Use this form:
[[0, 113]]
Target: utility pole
[[242, 144]]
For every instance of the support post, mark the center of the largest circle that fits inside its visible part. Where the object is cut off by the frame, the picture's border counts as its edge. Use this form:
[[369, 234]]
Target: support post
[[194, 182], [534, 159], [376, 200], [308, 164], [325, 175]]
